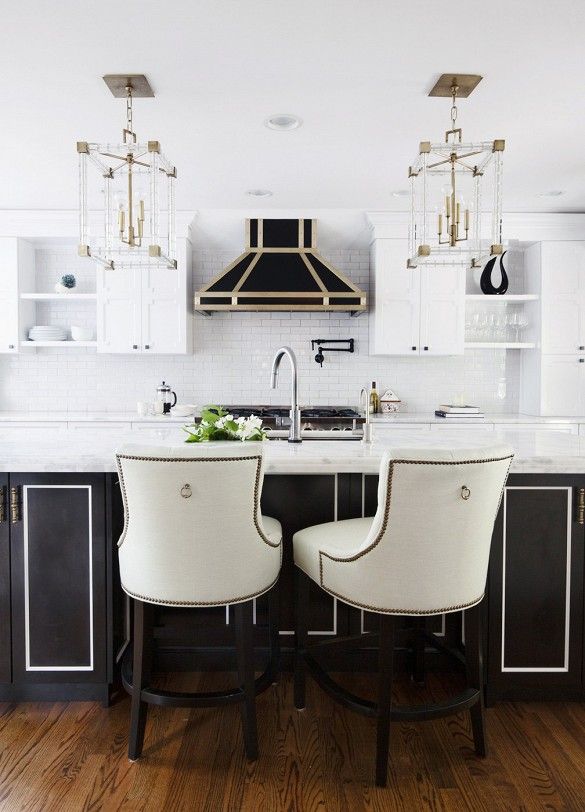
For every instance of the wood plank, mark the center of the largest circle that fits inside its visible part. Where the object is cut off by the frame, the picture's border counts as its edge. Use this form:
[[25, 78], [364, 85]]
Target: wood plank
[[73, 756]]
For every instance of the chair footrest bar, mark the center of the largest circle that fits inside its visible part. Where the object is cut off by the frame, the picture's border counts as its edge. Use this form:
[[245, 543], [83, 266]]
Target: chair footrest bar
[[453, 704], [436, 710], [185, 699]]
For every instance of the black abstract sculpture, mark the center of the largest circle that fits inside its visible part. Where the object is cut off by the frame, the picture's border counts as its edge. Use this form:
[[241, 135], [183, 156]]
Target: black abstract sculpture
[[485, 282]]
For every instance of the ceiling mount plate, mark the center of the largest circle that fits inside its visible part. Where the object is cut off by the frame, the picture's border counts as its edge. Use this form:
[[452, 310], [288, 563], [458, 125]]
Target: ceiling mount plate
[[117, 82], [466, 82]]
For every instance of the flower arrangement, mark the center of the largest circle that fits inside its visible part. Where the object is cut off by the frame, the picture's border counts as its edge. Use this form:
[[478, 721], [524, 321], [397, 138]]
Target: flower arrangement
[[217, 424]]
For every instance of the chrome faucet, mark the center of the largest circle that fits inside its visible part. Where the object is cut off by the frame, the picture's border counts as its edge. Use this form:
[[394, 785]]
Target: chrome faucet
[[367, 438], [294, 435]]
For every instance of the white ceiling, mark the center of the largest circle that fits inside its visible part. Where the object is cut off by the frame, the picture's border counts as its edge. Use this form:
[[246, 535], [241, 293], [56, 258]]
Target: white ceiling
[[356, 71]]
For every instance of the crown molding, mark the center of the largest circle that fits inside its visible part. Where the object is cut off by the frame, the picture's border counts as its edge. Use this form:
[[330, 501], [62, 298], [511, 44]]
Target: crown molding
[[521, 226], [38, 225]]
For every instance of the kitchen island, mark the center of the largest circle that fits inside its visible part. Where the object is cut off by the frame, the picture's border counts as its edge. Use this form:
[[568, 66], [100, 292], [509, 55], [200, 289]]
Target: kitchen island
[[63, 618]]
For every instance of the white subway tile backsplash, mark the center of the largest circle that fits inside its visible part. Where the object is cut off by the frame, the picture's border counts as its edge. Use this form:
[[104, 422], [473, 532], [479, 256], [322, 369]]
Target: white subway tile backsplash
[[233, 353]]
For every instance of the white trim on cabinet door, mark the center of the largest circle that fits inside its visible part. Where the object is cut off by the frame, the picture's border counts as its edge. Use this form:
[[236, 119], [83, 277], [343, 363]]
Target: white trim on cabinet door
[[28, 666], [535, 669]]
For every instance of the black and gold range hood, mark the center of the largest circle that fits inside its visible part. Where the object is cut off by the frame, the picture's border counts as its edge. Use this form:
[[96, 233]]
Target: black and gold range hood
[[280, 269]]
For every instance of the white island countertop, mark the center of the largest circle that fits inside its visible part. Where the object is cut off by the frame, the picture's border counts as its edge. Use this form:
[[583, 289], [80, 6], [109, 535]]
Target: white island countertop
[[536, 452], [385, 420]]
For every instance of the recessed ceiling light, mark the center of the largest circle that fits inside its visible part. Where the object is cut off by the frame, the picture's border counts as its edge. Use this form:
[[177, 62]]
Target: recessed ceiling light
[[400, 193], [259, 193], [283, 122], [553, 193]]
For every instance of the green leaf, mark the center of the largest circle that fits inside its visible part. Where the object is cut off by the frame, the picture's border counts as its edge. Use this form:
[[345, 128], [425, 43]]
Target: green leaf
[[211, 413]]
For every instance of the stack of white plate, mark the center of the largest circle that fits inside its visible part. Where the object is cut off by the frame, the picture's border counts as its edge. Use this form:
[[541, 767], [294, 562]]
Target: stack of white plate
[[41, 333]]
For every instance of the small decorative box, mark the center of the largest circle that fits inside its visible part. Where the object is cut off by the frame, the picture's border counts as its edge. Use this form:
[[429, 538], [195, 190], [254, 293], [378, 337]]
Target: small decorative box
[[389, 402]]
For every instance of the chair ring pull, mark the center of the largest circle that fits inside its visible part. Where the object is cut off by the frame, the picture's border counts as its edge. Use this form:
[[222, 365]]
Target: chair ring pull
[[186, 491], [465, 492]]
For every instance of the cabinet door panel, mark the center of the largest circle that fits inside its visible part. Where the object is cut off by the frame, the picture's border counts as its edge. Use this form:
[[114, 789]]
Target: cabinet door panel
[[442, 312], [563, 296], [536, 588], [5, 609], [118, 311], [394, 327], [8, 295], [58, 578], [164, 311], [562, 385]]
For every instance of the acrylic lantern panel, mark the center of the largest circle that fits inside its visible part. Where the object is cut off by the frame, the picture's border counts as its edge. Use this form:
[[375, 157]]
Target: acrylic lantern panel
[[132, 187], [461, 228]]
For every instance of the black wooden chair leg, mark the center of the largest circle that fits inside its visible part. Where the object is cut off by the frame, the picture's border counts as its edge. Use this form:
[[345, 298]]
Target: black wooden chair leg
[[245, 648], [301, 631], [385, 665], [474, 665], [418, 670], [274, 631], [141, 672]]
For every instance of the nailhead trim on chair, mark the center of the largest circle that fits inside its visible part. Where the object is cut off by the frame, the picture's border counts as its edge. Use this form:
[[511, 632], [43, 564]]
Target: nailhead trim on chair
[[165, 602], [377, 540], [265, 539]]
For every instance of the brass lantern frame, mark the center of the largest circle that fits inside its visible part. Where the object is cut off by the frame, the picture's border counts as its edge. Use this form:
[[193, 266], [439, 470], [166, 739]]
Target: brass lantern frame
[[460, 243], [123, 240]]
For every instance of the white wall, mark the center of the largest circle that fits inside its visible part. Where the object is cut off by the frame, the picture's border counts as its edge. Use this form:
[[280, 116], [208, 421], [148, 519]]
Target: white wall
[[233, 353]]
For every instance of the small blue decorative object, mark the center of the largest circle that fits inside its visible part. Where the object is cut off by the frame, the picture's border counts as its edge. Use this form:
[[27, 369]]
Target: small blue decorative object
[[68, 281]]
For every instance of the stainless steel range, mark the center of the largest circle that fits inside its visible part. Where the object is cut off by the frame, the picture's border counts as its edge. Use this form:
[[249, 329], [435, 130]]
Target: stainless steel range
[[317, 422]]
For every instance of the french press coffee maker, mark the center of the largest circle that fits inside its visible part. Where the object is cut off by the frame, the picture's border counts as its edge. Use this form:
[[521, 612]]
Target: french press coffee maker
[[166, 396]]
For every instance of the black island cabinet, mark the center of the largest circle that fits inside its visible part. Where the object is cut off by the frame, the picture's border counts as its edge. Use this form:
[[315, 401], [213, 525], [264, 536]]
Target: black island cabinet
[[55, 586], [64, 619]]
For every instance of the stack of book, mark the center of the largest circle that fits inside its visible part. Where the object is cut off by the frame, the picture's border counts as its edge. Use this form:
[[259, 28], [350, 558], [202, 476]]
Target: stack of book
[[449, 411]]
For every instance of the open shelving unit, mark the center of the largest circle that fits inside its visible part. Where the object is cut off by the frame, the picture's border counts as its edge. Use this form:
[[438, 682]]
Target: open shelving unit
[[61, 344], [59, 297], [512, 298], [500, 345]]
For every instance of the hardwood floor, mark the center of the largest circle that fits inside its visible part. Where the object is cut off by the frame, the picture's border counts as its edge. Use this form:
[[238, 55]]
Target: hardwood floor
[[69, 757]]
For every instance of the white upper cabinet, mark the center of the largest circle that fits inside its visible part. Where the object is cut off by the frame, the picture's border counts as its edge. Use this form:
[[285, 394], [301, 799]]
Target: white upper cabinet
[[563, 385], [146, 310], [395, 322], [416, 311], [442, 310], [17, 270], [8, 295], [552, 380], [119, 310], [562, 267]]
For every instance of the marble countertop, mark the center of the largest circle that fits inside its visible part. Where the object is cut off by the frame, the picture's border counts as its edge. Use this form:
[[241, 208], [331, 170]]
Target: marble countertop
[[536, 452], [427, 417], [382, 419]]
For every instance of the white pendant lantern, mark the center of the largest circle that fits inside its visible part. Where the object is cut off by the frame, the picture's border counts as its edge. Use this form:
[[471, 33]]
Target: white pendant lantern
[[450, 184], [131, 185]]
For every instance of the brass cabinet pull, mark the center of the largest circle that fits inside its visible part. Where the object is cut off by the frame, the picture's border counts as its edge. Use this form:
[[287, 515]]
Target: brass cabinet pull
[[14, 505], [2, 504], [581, 506]]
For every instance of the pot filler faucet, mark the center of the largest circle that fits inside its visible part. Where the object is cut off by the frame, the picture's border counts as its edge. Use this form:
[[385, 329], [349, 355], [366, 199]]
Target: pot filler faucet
[[294, 435]]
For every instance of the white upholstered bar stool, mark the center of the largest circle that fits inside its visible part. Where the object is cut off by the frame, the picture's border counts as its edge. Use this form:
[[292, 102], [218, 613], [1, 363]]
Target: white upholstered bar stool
[[425, 552], [193, 536]]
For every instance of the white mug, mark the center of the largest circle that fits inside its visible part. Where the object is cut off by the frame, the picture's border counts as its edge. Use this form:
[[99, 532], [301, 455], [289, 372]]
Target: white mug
[[143, 408], [159, 407]]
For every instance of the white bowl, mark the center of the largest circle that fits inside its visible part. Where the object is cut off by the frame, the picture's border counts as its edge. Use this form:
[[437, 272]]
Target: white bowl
[[82, 333], [183, 410]]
